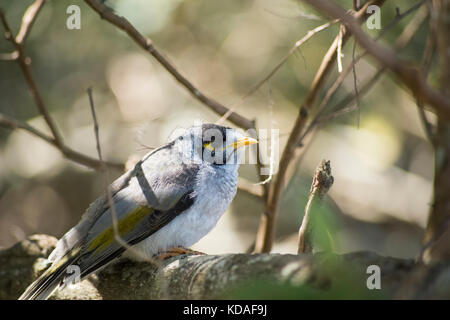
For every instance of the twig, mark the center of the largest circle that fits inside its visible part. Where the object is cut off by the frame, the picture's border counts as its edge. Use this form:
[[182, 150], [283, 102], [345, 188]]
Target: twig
[[339, 48], [272, 152], [355, 83], [106, 185], [322, 182], [68, 153], [250, 188], [28, 20], [341, 107], [426, 65], [147, 45], [277, 67], [24, 63], [308, 36], [409, 75], [9, 56], [266, 229], [8, 122]]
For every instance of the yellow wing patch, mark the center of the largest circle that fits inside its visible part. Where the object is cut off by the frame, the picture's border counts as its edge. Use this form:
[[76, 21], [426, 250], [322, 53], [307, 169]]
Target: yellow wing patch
[[106, 238]]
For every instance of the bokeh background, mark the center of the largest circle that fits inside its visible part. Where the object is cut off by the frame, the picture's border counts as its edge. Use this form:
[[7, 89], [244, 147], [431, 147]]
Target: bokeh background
[[383, 167]]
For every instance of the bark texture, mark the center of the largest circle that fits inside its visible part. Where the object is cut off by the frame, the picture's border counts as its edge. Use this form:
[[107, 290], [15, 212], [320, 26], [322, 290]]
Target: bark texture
[[227, 276], [437, 233]]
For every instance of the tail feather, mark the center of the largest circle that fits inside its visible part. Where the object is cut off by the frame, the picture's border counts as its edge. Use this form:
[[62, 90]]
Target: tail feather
[[48, 282]]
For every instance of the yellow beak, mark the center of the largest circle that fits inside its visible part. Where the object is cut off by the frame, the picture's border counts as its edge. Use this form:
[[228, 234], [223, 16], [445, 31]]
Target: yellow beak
[[242, 142]]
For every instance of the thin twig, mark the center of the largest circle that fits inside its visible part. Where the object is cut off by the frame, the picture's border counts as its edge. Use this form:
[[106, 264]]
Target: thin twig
[[427, 59], [147, 44], [322, 182], [277, 67], [67, 152], [355, 83], [341, 107], [405, 71], [9, 56], [24, 63], [266, 229], [8, 122], [339, 48], [106, 185], [272, 152], [250, 188], [28, 20]]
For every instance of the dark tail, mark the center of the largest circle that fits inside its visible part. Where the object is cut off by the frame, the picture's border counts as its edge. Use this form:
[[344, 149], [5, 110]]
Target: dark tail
[[48, 282]]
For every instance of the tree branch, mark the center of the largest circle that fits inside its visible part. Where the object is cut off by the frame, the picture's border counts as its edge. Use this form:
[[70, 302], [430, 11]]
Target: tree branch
[[68, 153], [213, 277], [440, 208], [408, 74], [25, 62], [277, 67], [265, 234], [341, 108], [107, 187], [147, 44], [322, 182], [28, 20]]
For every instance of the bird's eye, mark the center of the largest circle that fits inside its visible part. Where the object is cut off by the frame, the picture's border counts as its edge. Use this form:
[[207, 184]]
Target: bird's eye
[[180, 138]]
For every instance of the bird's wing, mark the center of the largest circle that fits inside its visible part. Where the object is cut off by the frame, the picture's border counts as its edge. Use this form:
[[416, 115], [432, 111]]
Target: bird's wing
[[146, 198], [135, 223]]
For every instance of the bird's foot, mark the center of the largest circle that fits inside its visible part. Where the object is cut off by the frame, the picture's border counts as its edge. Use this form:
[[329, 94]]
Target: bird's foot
[[173, 252]]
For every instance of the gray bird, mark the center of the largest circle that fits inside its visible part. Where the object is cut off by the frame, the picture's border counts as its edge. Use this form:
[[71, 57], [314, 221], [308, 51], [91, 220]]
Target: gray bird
[[171, 199]]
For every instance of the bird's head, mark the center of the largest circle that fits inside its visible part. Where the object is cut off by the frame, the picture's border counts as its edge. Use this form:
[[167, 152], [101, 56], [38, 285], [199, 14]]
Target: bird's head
[[213, 144]]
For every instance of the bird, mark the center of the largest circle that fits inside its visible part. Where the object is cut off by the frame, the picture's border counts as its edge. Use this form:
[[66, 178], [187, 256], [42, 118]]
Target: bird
[[167, 202]]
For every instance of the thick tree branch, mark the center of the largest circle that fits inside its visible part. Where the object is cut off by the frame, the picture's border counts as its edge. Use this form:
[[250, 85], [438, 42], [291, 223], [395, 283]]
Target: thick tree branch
[[210, 277], [440, 209]]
